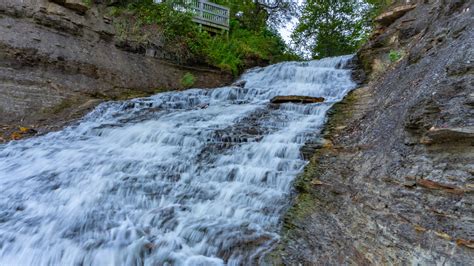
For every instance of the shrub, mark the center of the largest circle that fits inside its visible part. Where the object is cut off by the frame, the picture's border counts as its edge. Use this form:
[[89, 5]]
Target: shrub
[[188, 80], [230, 52], [141, 20], [87, 2], [395, 56]]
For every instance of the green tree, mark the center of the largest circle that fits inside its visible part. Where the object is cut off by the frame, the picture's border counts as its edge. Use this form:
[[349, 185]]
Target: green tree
[[250, 41], [257, 15], [331, 27]]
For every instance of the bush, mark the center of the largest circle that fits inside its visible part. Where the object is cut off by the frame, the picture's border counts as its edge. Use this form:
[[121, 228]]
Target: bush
[[189, 43], [188, 80], [87, 2], [230, 53], [395, 56]]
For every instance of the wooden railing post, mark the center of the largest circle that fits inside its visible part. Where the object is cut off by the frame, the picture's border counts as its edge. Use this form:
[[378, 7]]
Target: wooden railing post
[[201, 9], [208, 14]]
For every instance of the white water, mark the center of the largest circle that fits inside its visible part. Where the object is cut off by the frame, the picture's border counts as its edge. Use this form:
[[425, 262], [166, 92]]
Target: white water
[[165, 180]]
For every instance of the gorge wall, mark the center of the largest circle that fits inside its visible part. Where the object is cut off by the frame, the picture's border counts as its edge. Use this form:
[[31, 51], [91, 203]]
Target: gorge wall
[[394, 181], [58, 59]]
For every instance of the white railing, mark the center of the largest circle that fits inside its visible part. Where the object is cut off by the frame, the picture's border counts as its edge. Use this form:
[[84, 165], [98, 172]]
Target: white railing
[[205, 13], [210, 14]]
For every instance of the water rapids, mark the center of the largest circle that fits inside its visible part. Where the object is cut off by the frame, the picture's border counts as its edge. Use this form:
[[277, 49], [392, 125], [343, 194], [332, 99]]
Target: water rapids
[[197, 177]]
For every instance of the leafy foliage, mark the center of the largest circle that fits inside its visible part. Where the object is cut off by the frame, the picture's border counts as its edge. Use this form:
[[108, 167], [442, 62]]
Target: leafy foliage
[[188, 80], [87, 2], [331, 27], [395, 56], [250, 39], [230, 52], [258, 14], [336, 27], [171, 22]]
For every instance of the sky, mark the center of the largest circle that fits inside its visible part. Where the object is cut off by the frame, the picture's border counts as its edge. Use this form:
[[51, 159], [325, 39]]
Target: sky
[[286, 30]]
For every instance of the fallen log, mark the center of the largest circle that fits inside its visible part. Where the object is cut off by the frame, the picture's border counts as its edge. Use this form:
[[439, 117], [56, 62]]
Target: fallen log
[[296, 99]]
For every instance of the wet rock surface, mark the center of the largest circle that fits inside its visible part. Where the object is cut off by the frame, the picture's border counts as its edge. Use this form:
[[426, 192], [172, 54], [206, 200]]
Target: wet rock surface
[[392, 182], [196, 177], [60, 58]]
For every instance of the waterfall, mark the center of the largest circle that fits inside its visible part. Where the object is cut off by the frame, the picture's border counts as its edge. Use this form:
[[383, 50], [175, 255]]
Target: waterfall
[[196, 177]]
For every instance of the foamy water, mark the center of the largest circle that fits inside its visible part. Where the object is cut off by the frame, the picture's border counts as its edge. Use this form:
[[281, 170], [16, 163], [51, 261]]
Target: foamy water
[[199, 177]]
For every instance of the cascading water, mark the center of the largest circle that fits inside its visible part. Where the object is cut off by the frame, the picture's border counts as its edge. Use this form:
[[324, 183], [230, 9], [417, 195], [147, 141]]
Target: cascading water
[[199, 177]]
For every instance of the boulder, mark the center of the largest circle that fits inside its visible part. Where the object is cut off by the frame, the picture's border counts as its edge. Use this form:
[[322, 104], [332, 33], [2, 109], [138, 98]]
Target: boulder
[[240, 83], [296, 99], [387, 18]]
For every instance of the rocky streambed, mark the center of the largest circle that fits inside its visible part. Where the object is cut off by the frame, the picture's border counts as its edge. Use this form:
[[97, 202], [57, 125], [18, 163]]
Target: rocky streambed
[[197, 177]]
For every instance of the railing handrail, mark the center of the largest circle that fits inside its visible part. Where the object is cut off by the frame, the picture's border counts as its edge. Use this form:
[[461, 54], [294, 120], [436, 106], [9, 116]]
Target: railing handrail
[[206, 13], [203, 12], [213, 4]]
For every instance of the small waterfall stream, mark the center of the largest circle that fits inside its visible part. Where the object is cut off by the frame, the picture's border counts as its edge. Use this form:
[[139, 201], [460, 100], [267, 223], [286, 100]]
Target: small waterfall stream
[[197, 177]]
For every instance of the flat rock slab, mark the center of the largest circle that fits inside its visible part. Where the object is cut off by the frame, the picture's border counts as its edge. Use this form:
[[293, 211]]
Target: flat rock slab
[[440, 135], [296, 99], [387, 18], [77, 5]]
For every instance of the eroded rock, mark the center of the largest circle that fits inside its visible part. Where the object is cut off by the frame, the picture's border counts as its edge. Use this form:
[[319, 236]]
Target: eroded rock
[[442, 135], [430, 184], [77, 5], [387, 18]]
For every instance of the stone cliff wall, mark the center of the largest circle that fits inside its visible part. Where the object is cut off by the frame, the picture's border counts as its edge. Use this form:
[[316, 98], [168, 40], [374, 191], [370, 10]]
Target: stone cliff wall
[[59, 58], [394, 181]]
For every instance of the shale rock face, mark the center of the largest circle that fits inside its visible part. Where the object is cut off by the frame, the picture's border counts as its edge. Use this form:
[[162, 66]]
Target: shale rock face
[[391, 16], [77, 5], [59, 58], [394, 181]]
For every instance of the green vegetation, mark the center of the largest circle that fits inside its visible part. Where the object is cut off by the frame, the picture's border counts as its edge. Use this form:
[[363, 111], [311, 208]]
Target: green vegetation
[[230, 53], [249, 42], [395, 56], [188, 80], [336, 27], [326, 28], [376, 7], [87, 2]]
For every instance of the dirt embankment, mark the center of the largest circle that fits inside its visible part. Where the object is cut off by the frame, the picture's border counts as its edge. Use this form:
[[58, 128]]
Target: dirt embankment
[[394, 181], [58, 59]]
